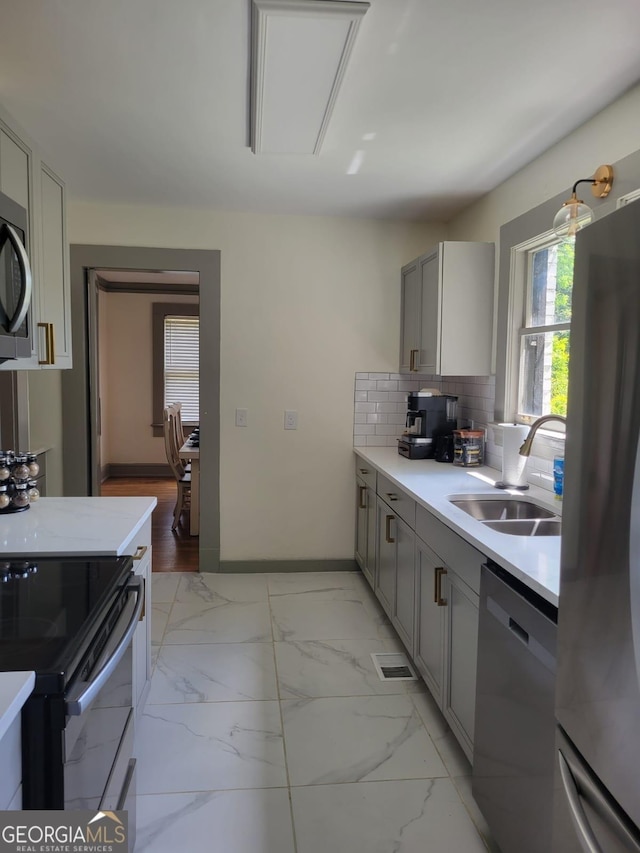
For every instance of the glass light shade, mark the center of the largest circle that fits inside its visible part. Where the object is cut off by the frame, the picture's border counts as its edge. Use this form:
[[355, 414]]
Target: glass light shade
[[572, 216]]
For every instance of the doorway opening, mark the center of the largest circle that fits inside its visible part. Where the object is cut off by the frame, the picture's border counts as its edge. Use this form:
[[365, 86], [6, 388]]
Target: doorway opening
[[112, 436]]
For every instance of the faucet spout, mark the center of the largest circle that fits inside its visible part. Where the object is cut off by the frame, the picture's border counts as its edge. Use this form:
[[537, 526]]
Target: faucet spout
[[525, 450]]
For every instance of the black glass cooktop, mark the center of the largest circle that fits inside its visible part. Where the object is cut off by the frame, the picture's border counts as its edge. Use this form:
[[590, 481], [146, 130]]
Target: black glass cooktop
[[50, 609]]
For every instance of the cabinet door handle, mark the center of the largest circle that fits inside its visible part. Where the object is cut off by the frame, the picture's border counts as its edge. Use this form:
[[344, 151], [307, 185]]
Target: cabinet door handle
[[392, 496], [437, 587], [141, 550], [413, 361], [48, 337], [388, 536], [51, 345], [364, 470], [363, 497]]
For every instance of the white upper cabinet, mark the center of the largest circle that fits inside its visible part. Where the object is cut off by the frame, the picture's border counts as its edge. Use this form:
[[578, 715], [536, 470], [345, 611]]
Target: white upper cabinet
[[54, 293], [447, 310], [34, 185]]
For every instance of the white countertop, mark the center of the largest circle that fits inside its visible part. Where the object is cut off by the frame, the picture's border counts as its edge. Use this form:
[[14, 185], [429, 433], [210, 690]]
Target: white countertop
[[15, 689], [535, 560], [86, 527]]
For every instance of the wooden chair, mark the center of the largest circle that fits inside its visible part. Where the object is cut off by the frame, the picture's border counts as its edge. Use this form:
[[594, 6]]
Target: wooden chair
[[177, 408], [183, 478]]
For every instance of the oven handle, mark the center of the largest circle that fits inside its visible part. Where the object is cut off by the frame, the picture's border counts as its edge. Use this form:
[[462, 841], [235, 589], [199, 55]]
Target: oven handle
[[82, 695]]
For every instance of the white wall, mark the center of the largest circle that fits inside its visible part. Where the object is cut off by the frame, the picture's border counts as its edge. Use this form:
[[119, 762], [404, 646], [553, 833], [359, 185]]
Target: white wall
[[306, 302], [611, 135], [127, 400]]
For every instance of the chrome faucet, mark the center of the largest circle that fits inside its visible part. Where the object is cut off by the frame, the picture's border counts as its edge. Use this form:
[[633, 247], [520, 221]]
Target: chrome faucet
[[525, 450]]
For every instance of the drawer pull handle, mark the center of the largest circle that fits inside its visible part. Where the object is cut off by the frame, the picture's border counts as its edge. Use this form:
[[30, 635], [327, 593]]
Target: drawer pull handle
[[364, 470], [141, 550], [363, 497], [392, 496], [388, 536], [437, 587]]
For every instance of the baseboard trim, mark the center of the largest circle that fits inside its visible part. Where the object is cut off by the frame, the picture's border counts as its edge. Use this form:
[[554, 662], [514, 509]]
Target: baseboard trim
[[136, 469], [260, 566]]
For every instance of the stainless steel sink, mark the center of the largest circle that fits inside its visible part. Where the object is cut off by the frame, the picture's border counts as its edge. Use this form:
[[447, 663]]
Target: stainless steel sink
[[513, 515], [497, 509], [532, 527]]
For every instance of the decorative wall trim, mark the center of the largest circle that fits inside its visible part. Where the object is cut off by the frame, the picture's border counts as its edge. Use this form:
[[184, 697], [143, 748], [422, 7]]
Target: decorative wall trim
[[136, 469], [259, 566]]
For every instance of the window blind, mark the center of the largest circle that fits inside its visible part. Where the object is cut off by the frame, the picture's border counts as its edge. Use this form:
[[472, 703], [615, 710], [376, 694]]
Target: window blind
[[182, 365]]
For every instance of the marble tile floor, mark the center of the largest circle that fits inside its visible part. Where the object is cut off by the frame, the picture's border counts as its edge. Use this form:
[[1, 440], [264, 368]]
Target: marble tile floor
[[267, 729]]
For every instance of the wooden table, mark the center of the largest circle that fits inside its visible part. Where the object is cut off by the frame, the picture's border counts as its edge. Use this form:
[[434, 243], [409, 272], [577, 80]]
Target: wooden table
[[193, 453]]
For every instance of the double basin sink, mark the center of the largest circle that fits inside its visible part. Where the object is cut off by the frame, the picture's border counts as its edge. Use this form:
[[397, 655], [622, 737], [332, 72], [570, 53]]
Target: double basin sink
[[515, 516]]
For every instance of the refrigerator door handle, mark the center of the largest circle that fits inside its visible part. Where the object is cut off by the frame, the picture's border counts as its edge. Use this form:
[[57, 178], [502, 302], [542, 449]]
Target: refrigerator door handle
[[587, 839]]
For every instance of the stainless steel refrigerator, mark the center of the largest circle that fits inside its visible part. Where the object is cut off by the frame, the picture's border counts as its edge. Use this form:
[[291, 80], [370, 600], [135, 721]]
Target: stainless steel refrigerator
[[597, 795]]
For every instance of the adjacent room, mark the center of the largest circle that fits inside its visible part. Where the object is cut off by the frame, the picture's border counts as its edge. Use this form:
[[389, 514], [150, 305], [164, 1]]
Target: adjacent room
[[383, 256]]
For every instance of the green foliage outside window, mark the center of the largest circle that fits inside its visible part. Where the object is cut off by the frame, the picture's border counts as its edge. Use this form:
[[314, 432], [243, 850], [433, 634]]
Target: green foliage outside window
[[560, 354]]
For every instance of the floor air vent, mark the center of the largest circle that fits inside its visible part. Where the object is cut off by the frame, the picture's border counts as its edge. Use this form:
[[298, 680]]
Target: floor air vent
[[393, 667]]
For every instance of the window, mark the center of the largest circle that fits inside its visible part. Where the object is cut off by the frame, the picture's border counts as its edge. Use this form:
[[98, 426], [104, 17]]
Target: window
[[543, 355], [176, 361], [181, 365]]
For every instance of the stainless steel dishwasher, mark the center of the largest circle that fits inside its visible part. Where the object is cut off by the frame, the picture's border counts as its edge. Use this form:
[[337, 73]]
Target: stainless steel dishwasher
[[514, 748]]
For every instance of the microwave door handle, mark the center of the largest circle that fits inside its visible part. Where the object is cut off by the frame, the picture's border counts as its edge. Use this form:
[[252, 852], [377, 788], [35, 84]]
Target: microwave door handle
[[25, 271], [82, 695]]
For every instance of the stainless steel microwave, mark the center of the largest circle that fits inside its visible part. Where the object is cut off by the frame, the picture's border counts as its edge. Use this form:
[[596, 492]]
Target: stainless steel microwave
[[15, 282]]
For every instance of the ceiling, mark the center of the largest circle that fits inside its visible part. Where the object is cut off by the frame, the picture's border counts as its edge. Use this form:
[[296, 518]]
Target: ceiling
[[146, 101]]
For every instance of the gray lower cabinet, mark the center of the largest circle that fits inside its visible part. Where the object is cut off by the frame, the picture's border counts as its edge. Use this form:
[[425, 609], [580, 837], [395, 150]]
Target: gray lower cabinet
[[427, 579], [395, 572], [461, 657], [447, 605], [365, 550], [430, 619], [389, 531]]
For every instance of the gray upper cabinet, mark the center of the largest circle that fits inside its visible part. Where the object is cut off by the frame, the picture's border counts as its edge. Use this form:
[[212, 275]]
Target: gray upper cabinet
[[29, 181], [447, 310]]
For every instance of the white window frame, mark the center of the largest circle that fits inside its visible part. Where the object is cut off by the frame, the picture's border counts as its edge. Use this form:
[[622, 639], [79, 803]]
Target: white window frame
[[519, 288]]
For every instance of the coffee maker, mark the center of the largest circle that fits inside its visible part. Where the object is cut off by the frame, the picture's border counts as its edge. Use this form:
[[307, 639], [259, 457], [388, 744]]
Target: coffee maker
[[428, 417]]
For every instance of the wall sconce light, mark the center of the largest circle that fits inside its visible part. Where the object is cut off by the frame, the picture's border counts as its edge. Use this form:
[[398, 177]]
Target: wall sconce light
[[574, 213]]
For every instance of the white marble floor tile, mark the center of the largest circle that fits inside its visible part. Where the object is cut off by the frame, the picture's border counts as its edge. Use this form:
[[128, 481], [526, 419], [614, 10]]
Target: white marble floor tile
[[319, 585], [364, 738], [207, 746], [159, 618], [252, 821], [297, 619], [463, 784], [209, 589], [416, 816], [220, 623], [218, 672], [445, 741], [164, 586], [312, 668]]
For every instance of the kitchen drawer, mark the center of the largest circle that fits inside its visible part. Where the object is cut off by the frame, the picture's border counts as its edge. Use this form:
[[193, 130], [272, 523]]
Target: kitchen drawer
[[451, 548], [398, 500], [366, 472]]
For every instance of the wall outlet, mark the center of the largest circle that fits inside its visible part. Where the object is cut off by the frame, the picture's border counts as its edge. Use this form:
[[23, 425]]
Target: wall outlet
[[242, 416], [290, 420]]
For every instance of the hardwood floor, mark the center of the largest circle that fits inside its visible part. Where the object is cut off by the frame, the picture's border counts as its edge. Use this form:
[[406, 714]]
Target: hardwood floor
[[173, 550]]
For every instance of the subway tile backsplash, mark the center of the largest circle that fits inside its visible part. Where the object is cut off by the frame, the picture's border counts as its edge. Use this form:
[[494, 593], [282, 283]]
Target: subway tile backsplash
[[385, 397], [380, 408]]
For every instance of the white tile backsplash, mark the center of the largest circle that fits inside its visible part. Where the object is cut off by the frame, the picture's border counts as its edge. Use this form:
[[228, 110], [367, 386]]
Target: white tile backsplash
[[380, 404]]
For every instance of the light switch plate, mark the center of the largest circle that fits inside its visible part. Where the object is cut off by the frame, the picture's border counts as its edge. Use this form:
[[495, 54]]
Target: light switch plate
[[242, 416], [290, 420]]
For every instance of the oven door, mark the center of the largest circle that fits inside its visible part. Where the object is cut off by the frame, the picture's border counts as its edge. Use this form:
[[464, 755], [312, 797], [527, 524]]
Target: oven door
[[98, 767]]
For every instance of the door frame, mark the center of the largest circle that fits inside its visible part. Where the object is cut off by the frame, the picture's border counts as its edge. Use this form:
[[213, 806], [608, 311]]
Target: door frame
[[77, 382]]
